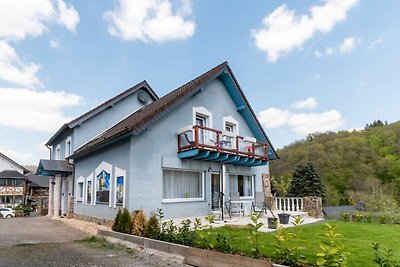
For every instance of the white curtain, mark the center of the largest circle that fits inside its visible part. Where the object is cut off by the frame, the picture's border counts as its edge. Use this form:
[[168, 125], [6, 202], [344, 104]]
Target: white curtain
[[242, 184], [182, 184]]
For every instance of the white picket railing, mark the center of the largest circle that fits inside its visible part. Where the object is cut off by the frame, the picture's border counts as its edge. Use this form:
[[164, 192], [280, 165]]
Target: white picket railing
[[288, 204]]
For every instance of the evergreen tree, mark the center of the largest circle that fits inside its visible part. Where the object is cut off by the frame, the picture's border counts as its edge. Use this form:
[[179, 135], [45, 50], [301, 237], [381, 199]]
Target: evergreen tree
[[306, 182], [117, 222]]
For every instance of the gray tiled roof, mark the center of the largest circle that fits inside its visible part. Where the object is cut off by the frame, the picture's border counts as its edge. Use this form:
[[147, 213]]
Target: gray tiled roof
[[38, 180], [12, 174], [141, 119], [102, 107]]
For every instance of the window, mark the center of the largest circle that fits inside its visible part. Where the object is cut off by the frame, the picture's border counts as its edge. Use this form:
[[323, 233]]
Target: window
[[19, 183], [201, 121], [119, 199], [68, 147], [103, 187], [182, 185], [243, 184], [2, 182], [89, 189], [229, 127], [80, 191], [18, 199], [58, 152]]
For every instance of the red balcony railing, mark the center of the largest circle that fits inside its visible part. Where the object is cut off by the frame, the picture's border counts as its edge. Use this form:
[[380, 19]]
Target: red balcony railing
[[205, 138]]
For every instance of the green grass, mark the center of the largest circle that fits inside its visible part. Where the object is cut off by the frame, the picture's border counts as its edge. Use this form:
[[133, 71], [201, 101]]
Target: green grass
[[97, 242], [356, 237]]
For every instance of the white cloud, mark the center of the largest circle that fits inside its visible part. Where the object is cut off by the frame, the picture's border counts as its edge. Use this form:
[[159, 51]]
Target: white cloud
[[283, 30], [318, 54], [305, 123], [348, 45], [309, 103], [13, 69], [54, 44], [19, 157], [273, 117], [68, 16], [302, 123], [32, 110], [375, 42], [329, 51], [151, 20], [19, 19]]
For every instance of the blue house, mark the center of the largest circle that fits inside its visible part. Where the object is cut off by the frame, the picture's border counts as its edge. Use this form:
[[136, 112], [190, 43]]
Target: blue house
[[177, 152]]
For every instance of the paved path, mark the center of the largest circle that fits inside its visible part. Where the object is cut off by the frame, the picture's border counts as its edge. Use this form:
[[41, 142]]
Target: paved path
[[36, 230]]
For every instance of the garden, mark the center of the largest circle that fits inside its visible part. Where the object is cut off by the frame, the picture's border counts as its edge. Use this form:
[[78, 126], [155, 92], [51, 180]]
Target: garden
[[329, 243]]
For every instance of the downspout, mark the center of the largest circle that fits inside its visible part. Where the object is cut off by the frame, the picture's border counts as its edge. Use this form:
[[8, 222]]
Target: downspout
[[49, 151]]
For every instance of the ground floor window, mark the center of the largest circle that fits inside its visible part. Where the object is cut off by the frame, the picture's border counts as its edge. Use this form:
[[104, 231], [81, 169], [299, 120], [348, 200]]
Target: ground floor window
[[80, 191], [89, 189], [18, 199], [103, 187], [181, 185], [243, 184], [120, 190]]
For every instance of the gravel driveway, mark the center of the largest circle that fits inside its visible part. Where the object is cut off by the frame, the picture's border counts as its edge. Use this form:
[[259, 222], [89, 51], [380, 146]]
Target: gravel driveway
[[40, 242]]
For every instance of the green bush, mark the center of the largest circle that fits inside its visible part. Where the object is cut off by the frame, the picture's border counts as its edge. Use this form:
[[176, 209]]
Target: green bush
[[332, 252], [152, 229], [384, 256], [345, 216], [122, 222], [117, 225]]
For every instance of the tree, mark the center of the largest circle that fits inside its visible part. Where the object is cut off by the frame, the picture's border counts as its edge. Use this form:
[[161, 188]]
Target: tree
[[306, 182]]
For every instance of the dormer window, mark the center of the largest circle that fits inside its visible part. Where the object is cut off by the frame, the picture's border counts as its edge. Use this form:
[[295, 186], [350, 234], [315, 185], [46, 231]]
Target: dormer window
[[68, 147], [58, 152]]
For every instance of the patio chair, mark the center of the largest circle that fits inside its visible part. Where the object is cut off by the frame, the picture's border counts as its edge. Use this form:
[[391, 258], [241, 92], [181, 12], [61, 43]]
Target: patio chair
[[234, 205], [258, 204]]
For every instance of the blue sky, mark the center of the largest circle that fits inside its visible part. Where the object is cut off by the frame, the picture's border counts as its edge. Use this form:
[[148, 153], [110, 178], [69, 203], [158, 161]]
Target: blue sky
[[305, 66]]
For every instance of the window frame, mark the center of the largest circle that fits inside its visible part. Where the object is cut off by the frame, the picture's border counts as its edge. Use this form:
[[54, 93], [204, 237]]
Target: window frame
[[58, 152], [183, 200], [252, 184], [68, 146]]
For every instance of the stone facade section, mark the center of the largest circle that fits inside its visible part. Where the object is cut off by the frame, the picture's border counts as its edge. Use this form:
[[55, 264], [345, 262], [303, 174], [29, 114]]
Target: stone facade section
[[313, 206], [268, 197], [86, 218]]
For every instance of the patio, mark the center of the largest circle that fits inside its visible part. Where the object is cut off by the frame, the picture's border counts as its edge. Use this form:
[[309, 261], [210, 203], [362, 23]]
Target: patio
[[242, 221]]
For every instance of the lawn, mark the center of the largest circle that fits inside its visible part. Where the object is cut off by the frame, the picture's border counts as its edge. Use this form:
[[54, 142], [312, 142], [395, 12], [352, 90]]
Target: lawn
[[356, 237]]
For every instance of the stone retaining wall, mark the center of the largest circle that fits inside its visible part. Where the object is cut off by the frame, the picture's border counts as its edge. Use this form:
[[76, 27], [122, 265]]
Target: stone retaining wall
[[86, 218]]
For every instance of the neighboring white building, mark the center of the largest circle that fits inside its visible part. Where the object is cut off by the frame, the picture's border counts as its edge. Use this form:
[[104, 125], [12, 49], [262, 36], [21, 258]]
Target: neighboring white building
[[8, 164]]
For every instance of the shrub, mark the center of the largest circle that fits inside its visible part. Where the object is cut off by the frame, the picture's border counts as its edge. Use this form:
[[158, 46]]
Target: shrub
[[117, 222], [332, 252], [152, 229], [368, 218], [185, 235], [138, 222], [125, 222], [254, 232], [288, 253], [358, 217], [384, 256], [345, 216]]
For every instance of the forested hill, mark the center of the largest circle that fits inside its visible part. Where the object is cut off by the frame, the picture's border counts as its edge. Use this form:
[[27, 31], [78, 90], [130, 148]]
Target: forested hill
[[358, 162]]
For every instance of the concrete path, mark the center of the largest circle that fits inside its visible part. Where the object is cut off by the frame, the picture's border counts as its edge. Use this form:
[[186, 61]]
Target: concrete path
[[36, 230]]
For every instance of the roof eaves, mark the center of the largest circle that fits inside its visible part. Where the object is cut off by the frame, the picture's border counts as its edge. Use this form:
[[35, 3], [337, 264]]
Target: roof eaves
[[251, 110]]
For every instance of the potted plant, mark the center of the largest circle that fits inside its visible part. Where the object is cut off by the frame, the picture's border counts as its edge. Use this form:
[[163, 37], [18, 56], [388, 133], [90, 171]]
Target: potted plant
[[272, 221], [281, 186]]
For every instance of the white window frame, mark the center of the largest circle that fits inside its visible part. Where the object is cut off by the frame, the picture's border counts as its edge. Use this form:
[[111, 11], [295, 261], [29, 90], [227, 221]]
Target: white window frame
[[104, 166], [89, 179], [58, 152], [68, 146], [203, 112], [182, 200], [80, 199], [231, 121], [252, 184], [119, 172]]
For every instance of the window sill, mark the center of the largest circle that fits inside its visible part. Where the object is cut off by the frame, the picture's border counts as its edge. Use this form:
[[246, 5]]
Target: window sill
[[182, 200]]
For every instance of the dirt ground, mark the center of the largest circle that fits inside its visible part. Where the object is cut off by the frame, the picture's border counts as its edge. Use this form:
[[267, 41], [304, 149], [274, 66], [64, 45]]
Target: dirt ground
[[79, 254], [41, 242]]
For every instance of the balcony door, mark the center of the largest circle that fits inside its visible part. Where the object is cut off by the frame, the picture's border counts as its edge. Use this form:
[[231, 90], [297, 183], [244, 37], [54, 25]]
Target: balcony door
[[201, 121], [215, 191]]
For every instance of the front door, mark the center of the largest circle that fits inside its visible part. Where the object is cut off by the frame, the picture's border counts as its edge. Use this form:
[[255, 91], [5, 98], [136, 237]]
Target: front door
[[215, 191]]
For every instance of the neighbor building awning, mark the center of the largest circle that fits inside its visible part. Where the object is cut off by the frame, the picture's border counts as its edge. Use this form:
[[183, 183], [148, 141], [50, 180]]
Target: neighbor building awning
[[54, 167]]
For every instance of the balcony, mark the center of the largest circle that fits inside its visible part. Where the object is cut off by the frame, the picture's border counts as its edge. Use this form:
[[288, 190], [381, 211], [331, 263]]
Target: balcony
[[204, 143]]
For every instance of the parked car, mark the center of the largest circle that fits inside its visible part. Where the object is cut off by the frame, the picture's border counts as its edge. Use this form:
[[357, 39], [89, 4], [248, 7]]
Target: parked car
[[7, 212]]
